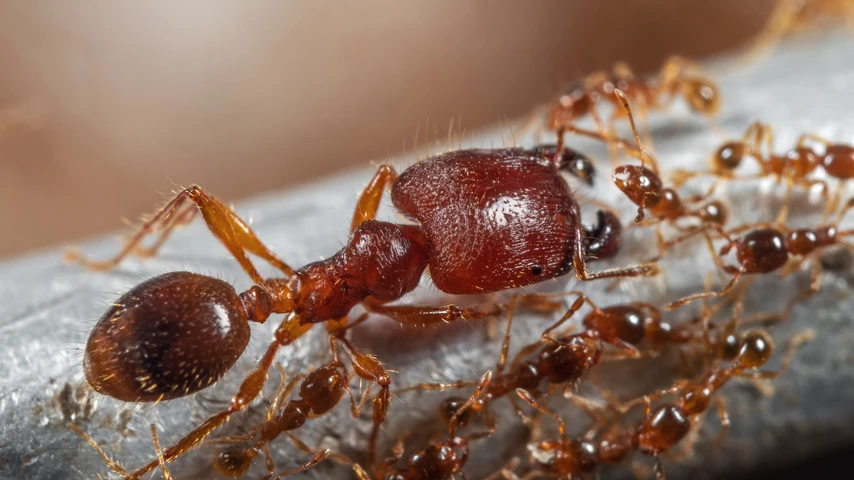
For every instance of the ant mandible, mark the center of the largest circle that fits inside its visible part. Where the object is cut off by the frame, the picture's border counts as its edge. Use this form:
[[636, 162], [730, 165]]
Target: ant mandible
[[793, 167], [178, 333]]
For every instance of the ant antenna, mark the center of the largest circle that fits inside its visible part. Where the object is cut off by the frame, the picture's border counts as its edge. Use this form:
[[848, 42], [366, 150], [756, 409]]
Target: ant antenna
[[643, 155], [481, 386], [524, 395]]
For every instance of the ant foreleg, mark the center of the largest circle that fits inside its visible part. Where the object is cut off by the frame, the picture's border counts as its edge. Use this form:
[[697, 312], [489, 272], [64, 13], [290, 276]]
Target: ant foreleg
[[166, 474]]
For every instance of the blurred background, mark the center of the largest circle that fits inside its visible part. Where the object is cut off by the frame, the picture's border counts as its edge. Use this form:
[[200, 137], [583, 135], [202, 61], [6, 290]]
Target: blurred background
[[107, 105]]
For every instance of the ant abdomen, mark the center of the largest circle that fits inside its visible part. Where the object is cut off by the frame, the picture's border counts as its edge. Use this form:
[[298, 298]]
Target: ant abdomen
[[568, 360], [168, 337], [761, 251], [623, 322], [701, 95], [838, 161], [235, 463]]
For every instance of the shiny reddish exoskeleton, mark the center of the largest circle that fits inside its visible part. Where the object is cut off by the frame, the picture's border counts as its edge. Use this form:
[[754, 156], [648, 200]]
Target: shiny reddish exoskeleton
[[487, 220]]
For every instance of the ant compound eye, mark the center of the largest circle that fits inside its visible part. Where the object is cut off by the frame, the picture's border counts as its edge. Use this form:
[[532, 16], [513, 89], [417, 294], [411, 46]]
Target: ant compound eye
[[537, 270]]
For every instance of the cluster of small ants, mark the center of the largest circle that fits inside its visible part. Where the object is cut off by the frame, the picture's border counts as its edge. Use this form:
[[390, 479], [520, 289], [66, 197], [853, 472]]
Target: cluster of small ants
[[178, 333]]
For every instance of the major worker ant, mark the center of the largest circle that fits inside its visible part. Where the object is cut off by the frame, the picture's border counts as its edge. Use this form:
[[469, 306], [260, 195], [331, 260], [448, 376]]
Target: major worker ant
[[180, 332]]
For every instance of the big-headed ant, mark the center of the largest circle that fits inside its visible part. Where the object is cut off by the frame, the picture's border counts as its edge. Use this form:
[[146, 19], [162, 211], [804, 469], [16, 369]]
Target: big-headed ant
[[793, 167], [488, 220]]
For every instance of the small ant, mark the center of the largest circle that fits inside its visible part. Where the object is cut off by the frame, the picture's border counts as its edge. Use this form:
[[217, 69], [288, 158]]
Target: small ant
[[439, 461], [792, 167], [180, 332], [652, 93], [769, 247], [792, 17], [114, 466]]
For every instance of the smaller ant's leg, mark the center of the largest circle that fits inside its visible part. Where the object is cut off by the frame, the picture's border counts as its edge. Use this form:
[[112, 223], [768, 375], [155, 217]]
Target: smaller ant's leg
[[725, 421], [796, 342], [505, 345], [369, 200], [783, 214], [318, 457], [175, 222], [576, 306], [114, 466], [166, 474], [226, 226], [697, 296], [810, 137], [369, 368]]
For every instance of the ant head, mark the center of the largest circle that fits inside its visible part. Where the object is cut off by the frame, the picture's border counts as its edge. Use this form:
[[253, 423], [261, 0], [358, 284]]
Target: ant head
[[569, 360], [235, 463], [756, 349], [702, 95], [323, 388], [640, 184], [729, 156], [435, 461], [570, 161], [713, 212], [168, 337]]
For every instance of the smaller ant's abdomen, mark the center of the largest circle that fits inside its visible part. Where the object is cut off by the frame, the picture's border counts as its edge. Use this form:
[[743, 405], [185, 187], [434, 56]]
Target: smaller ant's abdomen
[[495, 219], [838, 161], [382, 260], [168, 337]]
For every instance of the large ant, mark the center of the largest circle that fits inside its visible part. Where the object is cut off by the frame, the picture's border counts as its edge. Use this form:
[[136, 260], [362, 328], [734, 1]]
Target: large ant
[[792, 167], [488, 220], [652, 93], [769, 247]]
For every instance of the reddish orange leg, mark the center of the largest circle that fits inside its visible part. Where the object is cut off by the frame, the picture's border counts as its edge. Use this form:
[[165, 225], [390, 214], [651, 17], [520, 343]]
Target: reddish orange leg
[[369, 200], [226, 226]]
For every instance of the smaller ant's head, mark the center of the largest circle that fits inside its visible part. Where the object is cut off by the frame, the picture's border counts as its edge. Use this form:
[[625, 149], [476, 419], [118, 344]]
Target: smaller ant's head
[[713, 212], [235, 463], [756, 349], [568, 360], [729, 156], [323, 388], [640, 184], [436, 461], [702, 95]]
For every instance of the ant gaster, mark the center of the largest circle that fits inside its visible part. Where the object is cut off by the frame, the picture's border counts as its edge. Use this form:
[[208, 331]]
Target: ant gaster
[[158, 340]]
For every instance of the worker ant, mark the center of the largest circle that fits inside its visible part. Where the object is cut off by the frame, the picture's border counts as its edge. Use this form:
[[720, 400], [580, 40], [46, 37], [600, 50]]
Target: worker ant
[[439, 461], [769, 247], [666, 426], [678, 76], [180, 332], [793, 167]]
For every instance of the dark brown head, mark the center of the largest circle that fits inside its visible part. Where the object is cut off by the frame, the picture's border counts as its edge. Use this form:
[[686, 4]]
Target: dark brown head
[[436, 462], [641, 185], [323, 388], [570, 358], [626, 323], [234, 463], [572, 162], [168, 337]]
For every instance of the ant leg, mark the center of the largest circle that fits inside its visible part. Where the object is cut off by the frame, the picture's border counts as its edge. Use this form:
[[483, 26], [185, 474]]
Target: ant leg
[[783, 214], [289, 330], [505, 345], [576, 306], [697, 296], [226, 226], [319, 457], [796, 342], [114, 466], [529, 399], [369, 200], [420, 315], [369, 368], [177, 221], [166, 474], [803, 139], [725, 422], [580, 265]]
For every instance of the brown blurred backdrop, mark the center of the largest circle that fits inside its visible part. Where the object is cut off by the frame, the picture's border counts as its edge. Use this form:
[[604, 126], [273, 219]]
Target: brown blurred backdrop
[[105, 105]]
